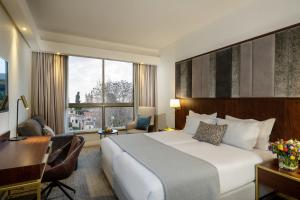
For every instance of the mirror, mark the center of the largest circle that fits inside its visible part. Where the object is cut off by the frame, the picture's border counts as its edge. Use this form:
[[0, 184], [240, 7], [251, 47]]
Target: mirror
[[3, 85]]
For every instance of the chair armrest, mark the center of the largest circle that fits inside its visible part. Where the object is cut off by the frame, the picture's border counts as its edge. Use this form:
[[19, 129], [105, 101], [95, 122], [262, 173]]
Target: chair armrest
[[131, 125]]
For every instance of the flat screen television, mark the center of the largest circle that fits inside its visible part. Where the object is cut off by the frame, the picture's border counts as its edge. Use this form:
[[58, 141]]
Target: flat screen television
[[3, 85]]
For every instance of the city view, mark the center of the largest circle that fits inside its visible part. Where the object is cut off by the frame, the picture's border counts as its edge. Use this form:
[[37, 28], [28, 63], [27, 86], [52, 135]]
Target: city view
[[115, 89]]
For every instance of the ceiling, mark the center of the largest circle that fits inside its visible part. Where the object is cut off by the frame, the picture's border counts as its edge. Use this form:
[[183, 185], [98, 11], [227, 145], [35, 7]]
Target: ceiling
[[151, 24]]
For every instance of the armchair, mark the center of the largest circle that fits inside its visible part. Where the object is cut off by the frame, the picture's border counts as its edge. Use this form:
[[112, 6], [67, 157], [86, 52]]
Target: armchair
[[143, 111]]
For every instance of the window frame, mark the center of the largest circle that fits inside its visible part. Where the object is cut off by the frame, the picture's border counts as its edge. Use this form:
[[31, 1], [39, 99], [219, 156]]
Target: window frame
[[102, 105]]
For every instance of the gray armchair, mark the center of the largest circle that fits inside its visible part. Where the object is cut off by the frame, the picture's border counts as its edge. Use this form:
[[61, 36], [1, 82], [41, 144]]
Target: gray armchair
[[143, 111]]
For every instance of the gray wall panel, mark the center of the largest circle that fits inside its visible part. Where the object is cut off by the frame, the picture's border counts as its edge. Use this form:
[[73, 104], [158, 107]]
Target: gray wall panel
[[206, 76], [294, 70], [186, 79], [263, 66], [201, 76], [196, 77], [281, 79], [236, 62], [212, 69], [246, 70], [224, 72]]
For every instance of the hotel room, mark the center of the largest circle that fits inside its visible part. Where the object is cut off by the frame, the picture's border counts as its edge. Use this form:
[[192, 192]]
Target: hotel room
[[149, 100]]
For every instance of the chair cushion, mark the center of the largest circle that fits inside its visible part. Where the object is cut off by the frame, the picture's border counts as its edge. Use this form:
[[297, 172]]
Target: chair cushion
[[143, 122], [132, 131], [30, 128]]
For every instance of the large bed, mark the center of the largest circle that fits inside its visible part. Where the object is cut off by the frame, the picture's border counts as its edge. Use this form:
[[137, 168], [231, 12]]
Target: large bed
[[132, 180]]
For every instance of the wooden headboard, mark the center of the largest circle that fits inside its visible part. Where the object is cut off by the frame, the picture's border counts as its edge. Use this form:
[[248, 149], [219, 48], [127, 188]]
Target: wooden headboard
[[285, 110]]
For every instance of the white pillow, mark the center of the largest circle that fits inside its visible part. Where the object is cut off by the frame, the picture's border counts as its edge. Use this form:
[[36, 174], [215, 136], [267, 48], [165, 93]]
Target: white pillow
[[192, 123], [193, 114], [240, 133], [265, 127]]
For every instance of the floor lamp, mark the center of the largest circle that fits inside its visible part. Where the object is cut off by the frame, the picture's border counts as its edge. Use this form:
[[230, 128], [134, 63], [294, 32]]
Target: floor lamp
[[26, 106]]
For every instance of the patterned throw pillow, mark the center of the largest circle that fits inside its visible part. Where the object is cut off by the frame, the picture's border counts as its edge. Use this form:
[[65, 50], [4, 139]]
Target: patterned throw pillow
[[210, 133]]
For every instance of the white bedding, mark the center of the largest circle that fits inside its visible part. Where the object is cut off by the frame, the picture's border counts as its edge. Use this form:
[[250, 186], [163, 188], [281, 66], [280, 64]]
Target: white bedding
[[235, 166]]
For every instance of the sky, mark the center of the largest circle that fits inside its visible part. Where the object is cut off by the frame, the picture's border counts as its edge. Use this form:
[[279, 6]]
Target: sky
[[2, 66], [84, 73]]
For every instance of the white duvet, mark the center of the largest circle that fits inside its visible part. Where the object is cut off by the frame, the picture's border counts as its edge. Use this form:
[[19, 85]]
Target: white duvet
[[236, 167]]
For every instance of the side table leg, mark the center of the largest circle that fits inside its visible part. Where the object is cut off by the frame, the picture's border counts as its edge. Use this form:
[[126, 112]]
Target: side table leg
[[256, 184]]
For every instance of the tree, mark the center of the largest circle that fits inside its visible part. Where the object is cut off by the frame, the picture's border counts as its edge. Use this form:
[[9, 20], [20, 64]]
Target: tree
[[114, 92]]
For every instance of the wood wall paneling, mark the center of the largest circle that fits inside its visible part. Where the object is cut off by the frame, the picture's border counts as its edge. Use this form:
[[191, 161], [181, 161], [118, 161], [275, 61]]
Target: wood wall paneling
[[285, 110]]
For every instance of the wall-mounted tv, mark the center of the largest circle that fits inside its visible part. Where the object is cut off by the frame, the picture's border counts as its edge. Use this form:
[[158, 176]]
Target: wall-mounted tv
[[3, 85]]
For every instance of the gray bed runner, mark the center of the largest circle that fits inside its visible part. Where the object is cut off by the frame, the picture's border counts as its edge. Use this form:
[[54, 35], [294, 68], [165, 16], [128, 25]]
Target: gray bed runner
[[183, 176]]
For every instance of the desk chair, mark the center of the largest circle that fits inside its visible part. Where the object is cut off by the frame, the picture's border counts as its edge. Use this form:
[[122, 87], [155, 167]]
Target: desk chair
[[61, 165]]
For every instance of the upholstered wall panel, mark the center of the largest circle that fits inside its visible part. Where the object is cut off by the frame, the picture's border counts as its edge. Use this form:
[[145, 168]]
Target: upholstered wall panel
[[236, 63], [267, 66], [224, 73], [185, 79], [263, 66], [177, 79], [212, 68], [246, 70], [294, 69], [201, 76], [197, 77], [282, 65]]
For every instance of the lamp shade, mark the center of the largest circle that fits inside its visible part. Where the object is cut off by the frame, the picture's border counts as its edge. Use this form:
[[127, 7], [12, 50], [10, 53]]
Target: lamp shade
[[24, 101], [174, 103]]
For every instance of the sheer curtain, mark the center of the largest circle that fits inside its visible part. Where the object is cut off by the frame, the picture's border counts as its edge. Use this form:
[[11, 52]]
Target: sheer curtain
[[145, 85], [48, 88]]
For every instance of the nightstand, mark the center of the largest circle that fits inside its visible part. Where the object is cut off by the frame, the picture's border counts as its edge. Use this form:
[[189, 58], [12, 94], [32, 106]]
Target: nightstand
[[269, 174]]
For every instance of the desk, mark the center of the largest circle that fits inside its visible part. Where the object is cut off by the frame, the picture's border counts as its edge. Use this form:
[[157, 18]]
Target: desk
[[22, 165]]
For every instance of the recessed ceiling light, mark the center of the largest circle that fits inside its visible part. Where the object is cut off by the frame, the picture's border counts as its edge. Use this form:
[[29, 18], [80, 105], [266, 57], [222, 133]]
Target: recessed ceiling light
[[58, 53], [24, 29]]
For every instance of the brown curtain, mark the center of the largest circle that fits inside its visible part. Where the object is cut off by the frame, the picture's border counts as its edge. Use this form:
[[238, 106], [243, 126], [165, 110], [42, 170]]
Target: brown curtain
[[48, 88], [145, 85]]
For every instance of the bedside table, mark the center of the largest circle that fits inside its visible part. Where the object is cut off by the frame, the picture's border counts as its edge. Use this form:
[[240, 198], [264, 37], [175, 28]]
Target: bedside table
[[286, 182]]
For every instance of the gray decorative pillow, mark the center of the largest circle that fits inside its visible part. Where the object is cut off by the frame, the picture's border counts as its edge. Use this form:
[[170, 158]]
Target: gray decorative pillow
[[210, 133]]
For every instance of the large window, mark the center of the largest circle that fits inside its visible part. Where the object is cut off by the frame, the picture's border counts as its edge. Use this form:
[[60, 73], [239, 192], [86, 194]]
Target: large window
[[100, 93]]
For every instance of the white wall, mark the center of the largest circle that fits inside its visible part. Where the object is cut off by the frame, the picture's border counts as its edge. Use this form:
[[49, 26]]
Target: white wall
[[257, 18], [18, 54]]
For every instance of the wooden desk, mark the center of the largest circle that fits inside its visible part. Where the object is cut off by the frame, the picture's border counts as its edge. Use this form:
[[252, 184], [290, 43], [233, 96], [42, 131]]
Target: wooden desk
[[22, 164], [286, 182]]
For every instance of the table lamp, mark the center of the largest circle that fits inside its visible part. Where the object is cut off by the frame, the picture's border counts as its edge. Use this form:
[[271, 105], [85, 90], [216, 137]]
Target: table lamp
[[26, 106], [175, 103]]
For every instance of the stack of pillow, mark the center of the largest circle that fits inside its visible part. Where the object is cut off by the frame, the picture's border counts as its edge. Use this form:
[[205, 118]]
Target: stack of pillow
[[243, 133]]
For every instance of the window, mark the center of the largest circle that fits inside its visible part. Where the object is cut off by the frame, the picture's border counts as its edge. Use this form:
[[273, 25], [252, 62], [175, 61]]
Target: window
[[100, 93]]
